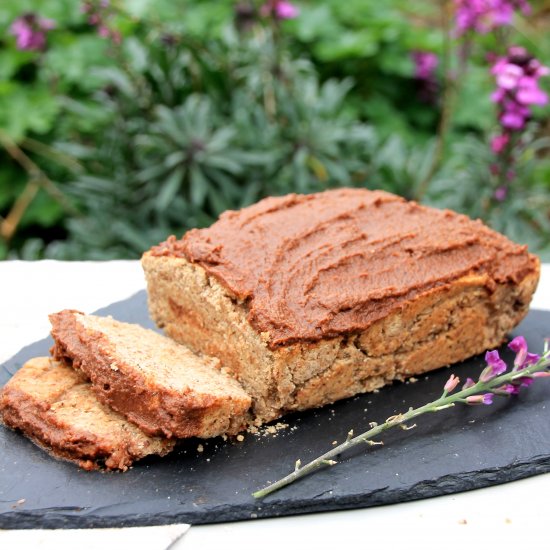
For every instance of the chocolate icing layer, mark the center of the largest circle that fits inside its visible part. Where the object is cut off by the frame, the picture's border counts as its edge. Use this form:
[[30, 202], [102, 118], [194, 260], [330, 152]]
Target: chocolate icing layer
[[321, 265]]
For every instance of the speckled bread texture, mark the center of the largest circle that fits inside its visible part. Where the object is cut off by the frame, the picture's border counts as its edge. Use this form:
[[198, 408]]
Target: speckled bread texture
[[443, 325], [53, 405], [156, 383]]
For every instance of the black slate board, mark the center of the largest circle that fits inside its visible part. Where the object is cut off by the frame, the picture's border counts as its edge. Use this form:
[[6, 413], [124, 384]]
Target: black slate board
[[452, 451]]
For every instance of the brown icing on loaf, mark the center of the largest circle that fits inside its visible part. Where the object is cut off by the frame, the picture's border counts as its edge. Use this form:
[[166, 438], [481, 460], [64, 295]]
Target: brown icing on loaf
[[316, 266]]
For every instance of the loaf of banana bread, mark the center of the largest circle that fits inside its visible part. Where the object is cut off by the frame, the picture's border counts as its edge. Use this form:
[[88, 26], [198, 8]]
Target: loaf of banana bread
[[307, 299]]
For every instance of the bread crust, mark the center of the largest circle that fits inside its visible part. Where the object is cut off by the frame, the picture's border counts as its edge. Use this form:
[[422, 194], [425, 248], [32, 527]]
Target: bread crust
[[207, 404], [54, 406], [441, 326]]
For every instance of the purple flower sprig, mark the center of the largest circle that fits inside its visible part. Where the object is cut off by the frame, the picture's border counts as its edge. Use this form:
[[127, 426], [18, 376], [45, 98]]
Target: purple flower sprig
[[494, 380], [517, 77]]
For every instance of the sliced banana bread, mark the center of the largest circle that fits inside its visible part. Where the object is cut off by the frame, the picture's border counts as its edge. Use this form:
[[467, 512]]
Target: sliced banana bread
[[307, 299], [54, 406], [157, 384]]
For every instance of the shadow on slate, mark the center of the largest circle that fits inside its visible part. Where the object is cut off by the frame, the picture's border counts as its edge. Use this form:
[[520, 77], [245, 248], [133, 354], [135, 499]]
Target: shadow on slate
[[452, 451]]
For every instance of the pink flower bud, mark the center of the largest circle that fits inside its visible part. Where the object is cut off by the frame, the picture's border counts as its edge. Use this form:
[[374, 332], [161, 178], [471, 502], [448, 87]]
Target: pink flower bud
[[451, 384]]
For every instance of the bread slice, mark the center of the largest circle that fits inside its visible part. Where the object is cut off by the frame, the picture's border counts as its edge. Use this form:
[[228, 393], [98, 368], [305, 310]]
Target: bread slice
[[311, 299], [54, 406], [157, 384]]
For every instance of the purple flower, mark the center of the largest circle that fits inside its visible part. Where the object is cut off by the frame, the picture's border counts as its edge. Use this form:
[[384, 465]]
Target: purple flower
[[522, 360], [513, 119], [492, 358], [485, 399], [501, 193], [535, 68], [507, 74], [30, 31], [498, 143], [514, 115], [468, 384], [519, 346], [425, 64], [516, 77], [529, 92], [285, 10], [495, 366], [484, 16], [498, 95], [280, 9]]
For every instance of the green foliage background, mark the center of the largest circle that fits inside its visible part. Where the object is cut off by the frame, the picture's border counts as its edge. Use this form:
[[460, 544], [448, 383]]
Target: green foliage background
[[193, 114]]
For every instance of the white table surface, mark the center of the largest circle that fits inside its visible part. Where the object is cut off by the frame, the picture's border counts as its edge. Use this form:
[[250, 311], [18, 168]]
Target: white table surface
[[508, 515]]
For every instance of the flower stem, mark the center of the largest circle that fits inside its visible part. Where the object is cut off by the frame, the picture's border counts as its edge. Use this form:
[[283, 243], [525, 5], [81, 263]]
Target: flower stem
[[447, 103], [443, 402]]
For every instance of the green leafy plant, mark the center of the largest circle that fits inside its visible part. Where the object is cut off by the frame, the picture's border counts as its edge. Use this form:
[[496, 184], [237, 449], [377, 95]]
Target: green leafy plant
[[467, 184], [170, 157], [144, 119]]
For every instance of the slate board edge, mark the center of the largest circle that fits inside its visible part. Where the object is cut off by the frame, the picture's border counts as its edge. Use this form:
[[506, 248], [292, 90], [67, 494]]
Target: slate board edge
[[274, 506]]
